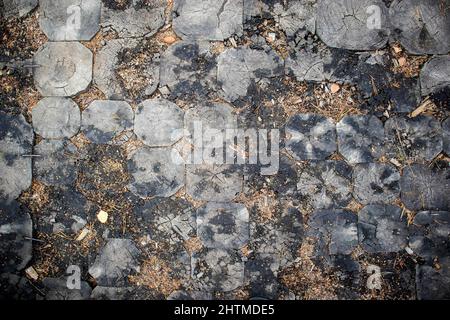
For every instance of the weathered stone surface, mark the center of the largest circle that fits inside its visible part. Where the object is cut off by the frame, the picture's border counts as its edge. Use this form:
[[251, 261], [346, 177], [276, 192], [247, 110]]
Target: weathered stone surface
[[16, 140], [57, 162], [213, 182], [15, 232], [208, 19], [18, 8], [435, 74], [133, 18], [309, 66], [239, 68], [433, 283], [159, 122], [310, 137], [218, 269], [56, 289], [261, 272], [446, 136], [335, 232], [127, 69], [407, 97], [413, 139], [118, 259], [14, 287], [56, 118], [190, 295], [223, 225], [188, 68], [326, 184], [155, 172], [70, 19], [423, 188], [430, 234], [382, 228], [421, 26], [295, 15], [104, 121], [376, 183], [360, 138], [352, 24], [65, 68]]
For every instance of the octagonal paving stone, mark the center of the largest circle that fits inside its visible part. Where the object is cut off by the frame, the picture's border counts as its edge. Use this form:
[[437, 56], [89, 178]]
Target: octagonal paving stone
[[435, 74], [156, 172], [18, 8], [376, 183], [65, 68], [159, 122], [69, 20], [326, 184], [214, 20], [421, 26], [114, 63], [16, 142], [430, 235], [223, 225], [218, 269], [352, 24], [56, 118], [433, 283], [188, 68], [446, 135], [310, 137], [424, 188], [15, 232], [382, 228], [214, 182], [104, 120], [133, 18], [57, 162], [334, 232], [360, 138], [118, 259], [239, 68], [413, 139]]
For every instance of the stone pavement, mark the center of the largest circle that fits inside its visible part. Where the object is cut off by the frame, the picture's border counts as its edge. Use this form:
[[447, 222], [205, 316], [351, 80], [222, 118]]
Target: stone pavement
[[97, 179]]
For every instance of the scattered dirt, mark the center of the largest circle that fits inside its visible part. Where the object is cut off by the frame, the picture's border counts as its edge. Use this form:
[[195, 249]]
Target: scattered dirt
[[84, 99], [407, 65]]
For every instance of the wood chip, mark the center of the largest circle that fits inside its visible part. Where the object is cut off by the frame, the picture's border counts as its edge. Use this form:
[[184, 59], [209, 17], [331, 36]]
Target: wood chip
[[395, 162], [397, 49], [83, 234], [422, 108], [102, 216], [401, 61], [169, 39], [335, 88], [31, 273]]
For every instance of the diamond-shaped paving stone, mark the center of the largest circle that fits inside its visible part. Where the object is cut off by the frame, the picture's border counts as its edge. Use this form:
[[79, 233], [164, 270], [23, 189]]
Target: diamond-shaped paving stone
[[239, 68], [213, 182], [433, 282], [421, 26], [415, 139], [353, 24], [334, 231], [207, 19], [116, 62], [218, 269], [15, 233], [70, 19], [376, 183], [57, 289], [16, 141], [223, 225], [430, 234], [103, 121], [65, 68], [117, 260], [424, 188], [446, 135], [133, 18], [188, 68], [382, 228], [159, 122], [18, 8], [56, 118], [310, 137], [435, 74], [57, 162], [360, 138], [326, 184], [156, 172]]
